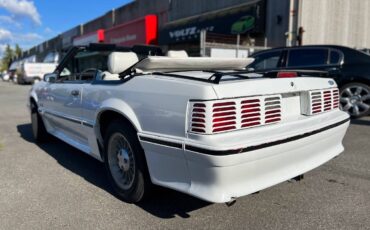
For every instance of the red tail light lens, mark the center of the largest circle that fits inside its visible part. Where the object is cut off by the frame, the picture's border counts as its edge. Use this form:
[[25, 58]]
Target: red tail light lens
[[335, 98], [327, 100], [287, 74], [220, 116], [225, 116], [198, 121], [320, 101], [251, 113]]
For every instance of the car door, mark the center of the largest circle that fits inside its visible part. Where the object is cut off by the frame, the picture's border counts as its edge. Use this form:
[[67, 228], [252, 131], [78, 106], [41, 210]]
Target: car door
[[63, 103]]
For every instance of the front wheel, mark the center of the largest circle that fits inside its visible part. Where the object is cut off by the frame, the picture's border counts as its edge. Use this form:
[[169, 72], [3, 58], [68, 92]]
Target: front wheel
[[125, 163], [355, 99], [38, 128]]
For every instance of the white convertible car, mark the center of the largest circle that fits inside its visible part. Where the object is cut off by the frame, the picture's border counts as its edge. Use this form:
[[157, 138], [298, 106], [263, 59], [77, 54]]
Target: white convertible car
[[202, 126]]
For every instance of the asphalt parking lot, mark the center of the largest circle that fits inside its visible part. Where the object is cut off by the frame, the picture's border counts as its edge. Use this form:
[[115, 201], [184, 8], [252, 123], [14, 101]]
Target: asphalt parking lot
[[54, 186]]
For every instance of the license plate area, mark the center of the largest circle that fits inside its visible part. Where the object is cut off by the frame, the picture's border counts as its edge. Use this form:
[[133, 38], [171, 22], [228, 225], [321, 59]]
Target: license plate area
[[291, 106]]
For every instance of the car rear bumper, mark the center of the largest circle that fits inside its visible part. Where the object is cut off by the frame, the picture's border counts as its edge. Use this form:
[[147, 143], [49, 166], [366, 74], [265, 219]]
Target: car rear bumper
[[229, 169], [266, 167]]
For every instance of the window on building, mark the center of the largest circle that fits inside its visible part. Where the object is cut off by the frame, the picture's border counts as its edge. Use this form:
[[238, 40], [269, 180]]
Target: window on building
[[307, 57]]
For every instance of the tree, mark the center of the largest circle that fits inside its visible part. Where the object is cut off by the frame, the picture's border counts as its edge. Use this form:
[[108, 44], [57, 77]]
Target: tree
[[8, 56], [18, 51]]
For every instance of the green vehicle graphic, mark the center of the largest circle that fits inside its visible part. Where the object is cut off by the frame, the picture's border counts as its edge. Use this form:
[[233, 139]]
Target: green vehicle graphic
[[244, 24]]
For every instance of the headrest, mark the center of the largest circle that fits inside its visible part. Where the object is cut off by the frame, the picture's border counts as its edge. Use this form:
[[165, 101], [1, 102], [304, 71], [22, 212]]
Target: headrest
[[121, 61], [177, 54]]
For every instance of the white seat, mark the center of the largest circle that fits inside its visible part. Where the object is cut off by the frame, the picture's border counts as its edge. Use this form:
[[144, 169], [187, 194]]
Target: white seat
[[107, 76], [177, 54], [119, 62]]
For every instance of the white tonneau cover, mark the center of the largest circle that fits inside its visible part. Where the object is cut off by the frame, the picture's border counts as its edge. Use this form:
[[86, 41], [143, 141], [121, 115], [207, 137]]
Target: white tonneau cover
[[168, 64]]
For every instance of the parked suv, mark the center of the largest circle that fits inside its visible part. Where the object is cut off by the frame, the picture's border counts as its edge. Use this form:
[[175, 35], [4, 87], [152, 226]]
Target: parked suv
[[348, 67]]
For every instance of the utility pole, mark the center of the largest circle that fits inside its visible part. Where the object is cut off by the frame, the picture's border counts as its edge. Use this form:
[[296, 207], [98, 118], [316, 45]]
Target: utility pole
[[237, 45], [293, 23], [203, 34]]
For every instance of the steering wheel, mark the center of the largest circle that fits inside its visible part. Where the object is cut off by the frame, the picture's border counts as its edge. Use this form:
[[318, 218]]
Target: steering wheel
[[86, 73]]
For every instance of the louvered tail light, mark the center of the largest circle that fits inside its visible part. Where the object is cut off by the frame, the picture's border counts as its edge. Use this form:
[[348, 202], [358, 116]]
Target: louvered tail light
[[198, 118], [272, 110], [219, 116], [319, 101], [223, 116], [251, 113], [335, 98]]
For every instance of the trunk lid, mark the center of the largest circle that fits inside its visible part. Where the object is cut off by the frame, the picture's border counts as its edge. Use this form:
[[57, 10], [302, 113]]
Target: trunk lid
[[242, 104], [270, 86]]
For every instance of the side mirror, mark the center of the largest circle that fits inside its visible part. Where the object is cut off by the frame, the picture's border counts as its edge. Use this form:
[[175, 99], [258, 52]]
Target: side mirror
[[50, 77]]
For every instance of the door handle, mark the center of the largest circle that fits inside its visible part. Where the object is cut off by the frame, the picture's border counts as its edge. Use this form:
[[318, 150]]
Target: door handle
[[75, 93], [333, 71]]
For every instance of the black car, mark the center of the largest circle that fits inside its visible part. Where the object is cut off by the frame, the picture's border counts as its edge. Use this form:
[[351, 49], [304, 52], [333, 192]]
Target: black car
[[348, 67]]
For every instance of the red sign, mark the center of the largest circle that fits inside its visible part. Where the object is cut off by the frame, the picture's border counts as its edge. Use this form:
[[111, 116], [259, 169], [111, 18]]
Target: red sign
[[140, 31], [94, 37]]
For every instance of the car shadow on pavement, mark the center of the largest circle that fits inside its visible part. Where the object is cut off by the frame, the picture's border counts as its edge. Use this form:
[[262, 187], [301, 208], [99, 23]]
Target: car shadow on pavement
[[164, 203], [360, 122]]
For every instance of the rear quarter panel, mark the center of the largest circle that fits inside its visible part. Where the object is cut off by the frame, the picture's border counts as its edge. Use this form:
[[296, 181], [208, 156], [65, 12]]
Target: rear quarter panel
[[355, 73], [155, 105]]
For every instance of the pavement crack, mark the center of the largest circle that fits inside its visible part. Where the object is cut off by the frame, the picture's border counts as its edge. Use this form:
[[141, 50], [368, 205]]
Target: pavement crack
[[336, 182]]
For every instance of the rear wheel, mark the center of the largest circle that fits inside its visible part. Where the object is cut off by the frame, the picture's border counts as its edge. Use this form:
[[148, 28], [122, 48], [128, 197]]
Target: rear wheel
[[355, 99], [125, 163], [38, 128]]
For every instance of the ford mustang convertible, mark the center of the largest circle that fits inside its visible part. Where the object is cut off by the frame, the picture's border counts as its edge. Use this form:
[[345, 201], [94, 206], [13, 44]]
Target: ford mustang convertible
[[202, 126]]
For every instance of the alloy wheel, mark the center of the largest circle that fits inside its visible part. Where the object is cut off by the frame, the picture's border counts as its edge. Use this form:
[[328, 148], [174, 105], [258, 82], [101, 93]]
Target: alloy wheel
[[355, 99]]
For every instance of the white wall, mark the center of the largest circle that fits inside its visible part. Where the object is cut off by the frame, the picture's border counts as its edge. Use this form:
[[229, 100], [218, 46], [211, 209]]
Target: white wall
[[229, 53], [342, 22]]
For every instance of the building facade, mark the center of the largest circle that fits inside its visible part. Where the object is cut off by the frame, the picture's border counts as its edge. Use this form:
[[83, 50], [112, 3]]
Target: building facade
[[340, 22], [195, 25]]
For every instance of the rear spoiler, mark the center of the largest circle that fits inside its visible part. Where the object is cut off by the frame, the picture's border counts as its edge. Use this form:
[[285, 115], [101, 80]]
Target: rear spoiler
[[218, 75]]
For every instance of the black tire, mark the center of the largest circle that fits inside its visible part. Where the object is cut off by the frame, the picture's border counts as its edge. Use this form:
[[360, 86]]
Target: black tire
[[355, 99], [38, 128], [140, 185], [18, 81]]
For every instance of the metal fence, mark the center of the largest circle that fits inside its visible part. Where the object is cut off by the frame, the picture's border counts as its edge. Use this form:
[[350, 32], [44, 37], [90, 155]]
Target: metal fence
[[222, 45]]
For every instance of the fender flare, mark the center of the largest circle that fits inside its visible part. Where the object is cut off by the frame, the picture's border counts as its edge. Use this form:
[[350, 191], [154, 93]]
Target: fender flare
[[120, 107], [33, 96]]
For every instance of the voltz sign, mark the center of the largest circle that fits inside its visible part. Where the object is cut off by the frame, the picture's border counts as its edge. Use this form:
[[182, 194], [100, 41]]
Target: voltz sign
[[188, 32], [250, 19], [183, 32]]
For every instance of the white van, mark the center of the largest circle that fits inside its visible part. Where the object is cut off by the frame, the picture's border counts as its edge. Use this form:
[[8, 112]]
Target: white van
[[34, 72]]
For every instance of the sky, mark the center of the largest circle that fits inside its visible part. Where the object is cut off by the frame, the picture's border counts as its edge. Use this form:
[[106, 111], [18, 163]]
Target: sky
[[30, 22]]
